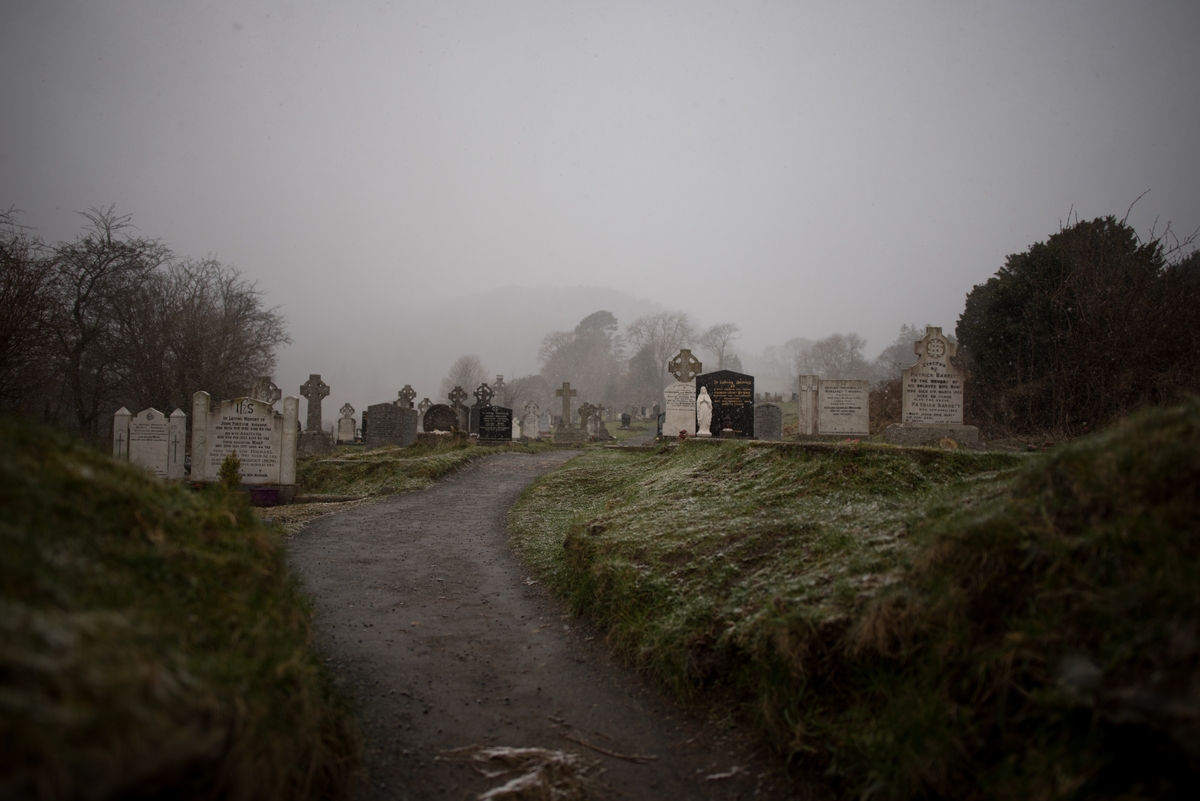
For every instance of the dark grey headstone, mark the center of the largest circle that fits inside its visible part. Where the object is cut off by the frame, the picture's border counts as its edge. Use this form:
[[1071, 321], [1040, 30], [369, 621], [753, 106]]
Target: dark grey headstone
[[440, 417], [495, 423], [768, 422], [732, 401], [625, 421], [390, 425]]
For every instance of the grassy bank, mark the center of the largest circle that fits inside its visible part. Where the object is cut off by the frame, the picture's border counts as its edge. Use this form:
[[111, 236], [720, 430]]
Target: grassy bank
[[153, 643], [918, 623], [384, 471]]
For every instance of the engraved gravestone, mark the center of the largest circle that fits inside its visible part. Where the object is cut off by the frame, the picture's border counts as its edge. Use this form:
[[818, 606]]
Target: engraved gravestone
[[842, 407], [265, 441], [148, 441], [932, 399], [391, 425], [680, 396], [495, 424], [530, 423], [440, 417], [483, 398], [732, 396], [768, 422], [346, 424]]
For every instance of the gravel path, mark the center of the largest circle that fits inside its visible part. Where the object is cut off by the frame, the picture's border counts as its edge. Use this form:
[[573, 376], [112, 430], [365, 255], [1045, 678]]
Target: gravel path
[[434, 625]]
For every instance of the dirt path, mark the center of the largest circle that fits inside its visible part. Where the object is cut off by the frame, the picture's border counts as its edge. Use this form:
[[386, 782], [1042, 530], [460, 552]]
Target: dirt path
[[429, 617]]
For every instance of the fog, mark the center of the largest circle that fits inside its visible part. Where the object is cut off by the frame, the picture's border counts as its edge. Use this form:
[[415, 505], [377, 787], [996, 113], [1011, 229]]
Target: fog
[[410, 182]]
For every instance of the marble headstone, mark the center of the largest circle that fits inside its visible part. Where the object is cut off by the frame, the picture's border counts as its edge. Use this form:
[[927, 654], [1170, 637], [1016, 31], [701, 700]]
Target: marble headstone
[[842, 407], [732, 396]]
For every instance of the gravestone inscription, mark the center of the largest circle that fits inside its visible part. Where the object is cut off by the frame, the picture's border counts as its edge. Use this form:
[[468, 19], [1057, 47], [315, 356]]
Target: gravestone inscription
[[391, 425], [932, 395], [768, 422], [843, 407], [732, 396], [495, 424]]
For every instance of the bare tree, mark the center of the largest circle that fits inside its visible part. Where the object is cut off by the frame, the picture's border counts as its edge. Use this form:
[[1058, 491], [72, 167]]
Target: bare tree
[[25, 304], [835, 356], [663, 333], [717, 339], [467, 372], [898, 355], [94, 276]]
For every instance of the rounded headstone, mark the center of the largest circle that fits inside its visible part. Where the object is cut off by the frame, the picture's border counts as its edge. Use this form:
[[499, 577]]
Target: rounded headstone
[[440, 417]]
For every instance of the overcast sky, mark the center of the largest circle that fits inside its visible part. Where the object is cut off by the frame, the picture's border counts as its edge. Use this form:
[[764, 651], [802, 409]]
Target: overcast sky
[[795, 168]]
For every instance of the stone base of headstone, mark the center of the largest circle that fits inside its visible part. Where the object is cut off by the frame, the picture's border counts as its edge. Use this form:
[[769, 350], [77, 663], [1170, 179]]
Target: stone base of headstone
[[728, 433], [287, 492], [313, 443], [829, 437], [570, 435], [901, 434], [436, 437]]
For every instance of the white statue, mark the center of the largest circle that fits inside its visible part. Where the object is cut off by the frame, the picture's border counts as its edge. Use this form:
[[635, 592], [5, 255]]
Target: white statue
[[703, 413]]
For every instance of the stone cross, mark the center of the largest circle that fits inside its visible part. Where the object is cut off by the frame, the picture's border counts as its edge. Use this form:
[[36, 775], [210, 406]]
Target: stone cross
[[586, 410], [423, 406], [314, 389], [531, 407], [264, 389], [566, 393], [684, 366], [406, 395], [347, 411], [457, 396], [484, 395]]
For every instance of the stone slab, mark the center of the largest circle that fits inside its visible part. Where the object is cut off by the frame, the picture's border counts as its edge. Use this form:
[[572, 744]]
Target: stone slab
[[901, 434], [391, 425], [495, 424], [148, 441], [680, 398], [732, 396], [250, 427], [842, 407], [768, 422], [933, 387]]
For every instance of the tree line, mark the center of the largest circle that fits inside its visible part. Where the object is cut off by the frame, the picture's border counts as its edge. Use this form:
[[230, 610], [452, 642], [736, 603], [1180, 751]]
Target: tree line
[[112, 318]]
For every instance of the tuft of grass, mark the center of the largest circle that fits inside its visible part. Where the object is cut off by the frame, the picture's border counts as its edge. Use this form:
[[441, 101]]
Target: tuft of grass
[[384, 471], [152, 642], [918, 623]]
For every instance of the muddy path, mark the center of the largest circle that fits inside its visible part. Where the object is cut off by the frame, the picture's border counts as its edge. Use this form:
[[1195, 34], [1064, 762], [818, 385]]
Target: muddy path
[[435, 627]]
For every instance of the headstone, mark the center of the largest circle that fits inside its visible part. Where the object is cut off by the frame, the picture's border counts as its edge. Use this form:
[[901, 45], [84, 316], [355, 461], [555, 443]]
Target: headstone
[[121, 418], [516, 428], [149, 441], [457, 396], [177, 444], [732, 396], [346, 424], [680, 396], [440, 417], [313, 440], [626, 419], [768, 422], [932, 402], [264, 389], [391, 425], [589, 420], [531, 422], [265, 441], [404, 398], [495, 424], [809, 386], [422, 407], [314, 390], [566, 393], [842, 407]]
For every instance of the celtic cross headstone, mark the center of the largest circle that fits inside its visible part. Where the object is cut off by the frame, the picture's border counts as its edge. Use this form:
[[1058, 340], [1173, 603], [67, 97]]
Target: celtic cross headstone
[[405, 397], [314, 389]]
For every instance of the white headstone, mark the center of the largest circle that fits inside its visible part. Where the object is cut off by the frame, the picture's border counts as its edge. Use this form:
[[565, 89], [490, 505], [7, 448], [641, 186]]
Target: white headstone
[[808, 405], [265, 440], [843, 407], [176, 444], [148, 441], [933, 387], [680, 408], [346, 426], [121, 433]]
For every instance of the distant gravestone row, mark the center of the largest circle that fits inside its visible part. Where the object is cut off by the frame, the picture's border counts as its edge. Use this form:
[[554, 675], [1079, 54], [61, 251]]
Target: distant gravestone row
[[722, 403]]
